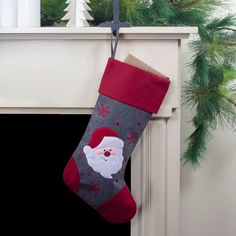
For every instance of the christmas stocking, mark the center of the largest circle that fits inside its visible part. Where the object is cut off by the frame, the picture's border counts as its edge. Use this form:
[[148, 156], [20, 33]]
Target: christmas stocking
[[95, 172]]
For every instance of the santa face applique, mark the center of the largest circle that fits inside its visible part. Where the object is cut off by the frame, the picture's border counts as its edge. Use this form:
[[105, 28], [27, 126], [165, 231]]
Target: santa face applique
[[104, 153]]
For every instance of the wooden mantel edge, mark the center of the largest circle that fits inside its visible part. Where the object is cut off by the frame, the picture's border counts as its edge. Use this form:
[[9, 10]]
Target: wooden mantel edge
[[96, 33]]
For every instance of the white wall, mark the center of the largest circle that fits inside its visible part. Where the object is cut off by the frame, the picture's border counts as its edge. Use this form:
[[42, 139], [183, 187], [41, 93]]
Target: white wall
[[208, 194]]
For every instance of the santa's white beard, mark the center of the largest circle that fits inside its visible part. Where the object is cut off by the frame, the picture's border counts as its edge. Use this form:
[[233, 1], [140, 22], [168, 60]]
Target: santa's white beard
[[105, 166]]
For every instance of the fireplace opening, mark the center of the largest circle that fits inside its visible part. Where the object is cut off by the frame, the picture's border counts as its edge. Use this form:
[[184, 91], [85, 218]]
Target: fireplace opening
[[34, 151]]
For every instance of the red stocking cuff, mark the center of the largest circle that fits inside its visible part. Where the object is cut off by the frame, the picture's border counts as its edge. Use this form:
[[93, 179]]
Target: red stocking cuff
[[133, 86]]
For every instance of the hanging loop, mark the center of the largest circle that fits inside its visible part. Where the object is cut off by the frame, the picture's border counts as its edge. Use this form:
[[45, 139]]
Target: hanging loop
[[115, 26], [114, 45]]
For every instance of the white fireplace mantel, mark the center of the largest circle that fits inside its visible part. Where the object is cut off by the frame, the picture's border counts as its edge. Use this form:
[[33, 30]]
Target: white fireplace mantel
[[95, 33], [58, 70]]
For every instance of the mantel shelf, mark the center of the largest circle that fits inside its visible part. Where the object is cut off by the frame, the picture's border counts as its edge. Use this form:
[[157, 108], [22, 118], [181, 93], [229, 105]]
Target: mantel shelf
[[96, 33]]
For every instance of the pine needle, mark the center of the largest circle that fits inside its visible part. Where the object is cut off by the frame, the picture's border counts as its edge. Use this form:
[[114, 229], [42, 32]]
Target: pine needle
[[208, 5], [197, 144]]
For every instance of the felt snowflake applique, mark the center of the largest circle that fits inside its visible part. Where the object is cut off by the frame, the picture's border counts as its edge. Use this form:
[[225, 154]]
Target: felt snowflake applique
[[102, 110], [94, 187], [132, 137]]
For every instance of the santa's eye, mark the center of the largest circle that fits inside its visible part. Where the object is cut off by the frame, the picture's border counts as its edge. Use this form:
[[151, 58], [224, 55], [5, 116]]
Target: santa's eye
[[104, 150], [110, 150]]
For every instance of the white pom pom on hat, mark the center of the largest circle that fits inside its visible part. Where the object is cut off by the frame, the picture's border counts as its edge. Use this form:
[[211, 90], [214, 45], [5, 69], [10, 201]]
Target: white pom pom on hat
[[87, 149]]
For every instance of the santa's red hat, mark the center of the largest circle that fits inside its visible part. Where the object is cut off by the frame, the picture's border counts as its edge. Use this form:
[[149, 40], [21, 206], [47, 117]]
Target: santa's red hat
[[103, 137]]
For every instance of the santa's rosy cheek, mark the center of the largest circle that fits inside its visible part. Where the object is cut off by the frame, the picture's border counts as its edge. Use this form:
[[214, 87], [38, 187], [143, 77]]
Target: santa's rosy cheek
[[99, 151], [113, 151]]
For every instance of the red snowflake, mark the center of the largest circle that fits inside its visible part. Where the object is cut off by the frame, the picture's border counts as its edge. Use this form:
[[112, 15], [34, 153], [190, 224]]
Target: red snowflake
[[89, 198], [94, 187], [87, 174], [132, 137], [103, 110]]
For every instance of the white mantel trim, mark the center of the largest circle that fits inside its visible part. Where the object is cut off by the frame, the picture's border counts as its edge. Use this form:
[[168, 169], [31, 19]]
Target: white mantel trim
[[98, 30], [96, 33]]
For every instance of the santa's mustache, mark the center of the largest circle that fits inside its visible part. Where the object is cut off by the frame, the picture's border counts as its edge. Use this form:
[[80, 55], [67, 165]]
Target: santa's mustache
[[105, 157]]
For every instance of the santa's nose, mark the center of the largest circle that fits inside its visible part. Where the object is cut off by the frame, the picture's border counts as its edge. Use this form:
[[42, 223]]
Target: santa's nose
[[107, 153]]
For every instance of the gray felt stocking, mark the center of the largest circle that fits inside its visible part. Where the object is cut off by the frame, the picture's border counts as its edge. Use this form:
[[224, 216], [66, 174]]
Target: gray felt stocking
[[128, 97]]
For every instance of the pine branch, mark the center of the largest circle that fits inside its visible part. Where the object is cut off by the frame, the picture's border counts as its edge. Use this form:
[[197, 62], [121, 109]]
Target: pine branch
[[190, 17], [52, 11], [132, 11], [207, 90], [219, 23], [162, 9], [188, 4], [227, 28], [230, 100], [197, 143], [226, 115], [199, 4]]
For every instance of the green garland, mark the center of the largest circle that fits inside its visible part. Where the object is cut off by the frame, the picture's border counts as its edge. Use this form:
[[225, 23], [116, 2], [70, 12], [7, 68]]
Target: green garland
[[52, 11], [211, 92]]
